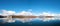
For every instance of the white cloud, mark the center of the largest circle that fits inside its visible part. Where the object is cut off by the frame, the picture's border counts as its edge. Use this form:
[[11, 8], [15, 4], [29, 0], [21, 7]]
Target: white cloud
[[25, 13], [5, 12], [0, 14], [36, 14], [48, 14], [11, 12]]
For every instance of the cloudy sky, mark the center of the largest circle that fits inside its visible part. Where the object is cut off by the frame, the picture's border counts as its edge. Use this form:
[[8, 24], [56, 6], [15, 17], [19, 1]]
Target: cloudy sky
[[34, 6]]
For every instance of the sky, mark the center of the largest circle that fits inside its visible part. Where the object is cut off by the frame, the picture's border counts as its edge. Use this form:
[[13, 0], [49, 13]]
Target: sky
[[35, 6]]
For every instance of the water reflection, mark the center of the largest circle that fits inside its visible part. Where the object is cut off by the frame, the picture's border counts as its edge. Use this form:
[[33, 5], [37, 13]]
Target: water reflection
[[34, 22]]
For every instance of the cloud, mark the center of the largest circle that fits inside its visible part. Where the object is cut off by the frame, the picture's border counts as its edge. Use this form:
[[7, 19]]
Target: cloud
[[48, 14], [0, 14], [25, 13], [5, 12], [11, 12]]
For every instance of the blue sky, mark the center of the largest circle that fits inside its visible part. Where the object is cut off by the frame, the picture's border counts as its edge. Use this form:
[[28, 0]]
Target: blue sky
[[37, 6]]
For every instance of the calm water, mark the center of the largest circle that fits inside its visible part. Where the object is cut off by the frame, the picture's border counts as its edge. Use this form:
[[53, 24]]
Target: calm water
[[32, 23]]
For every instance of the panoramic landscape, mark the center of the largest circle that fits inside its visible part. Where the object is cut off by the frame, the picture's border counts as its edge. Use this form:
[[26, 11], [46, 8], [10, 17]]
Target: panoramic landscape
[[29, 12]]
